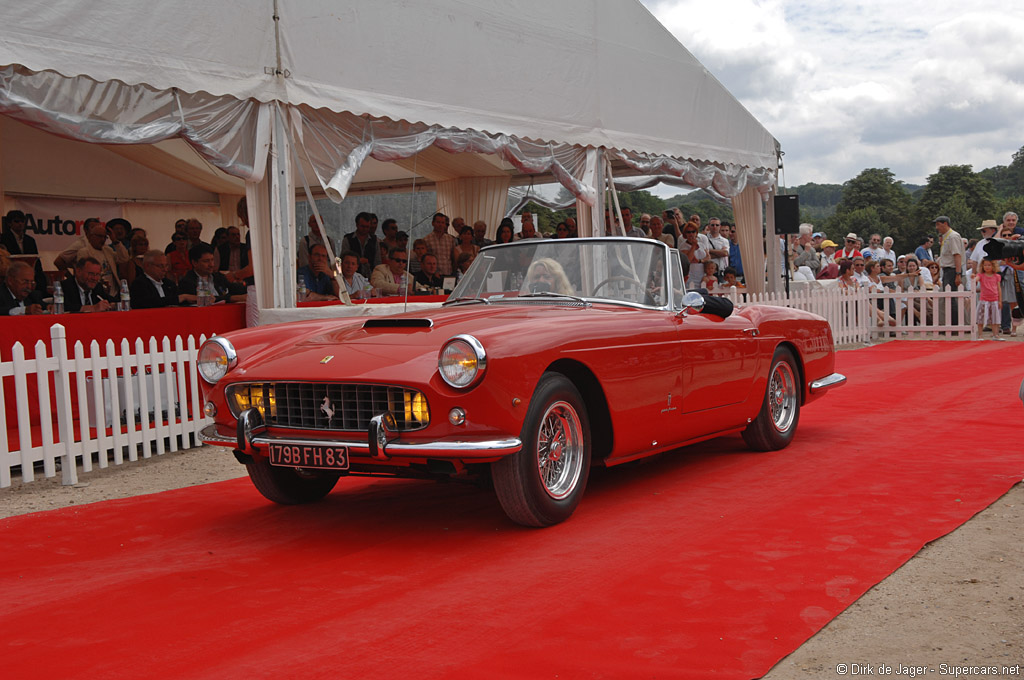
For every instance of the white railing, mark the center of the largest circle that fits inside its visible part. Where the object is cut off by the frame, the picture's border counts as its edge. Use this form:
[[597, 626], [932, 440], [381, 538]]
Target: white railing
[[112, 405], [853, 315]]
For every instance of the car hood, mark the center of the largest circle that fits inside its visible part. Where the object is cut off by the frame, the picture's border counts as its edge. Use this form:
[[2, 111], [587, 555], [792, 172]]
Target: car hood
[[396, 344]]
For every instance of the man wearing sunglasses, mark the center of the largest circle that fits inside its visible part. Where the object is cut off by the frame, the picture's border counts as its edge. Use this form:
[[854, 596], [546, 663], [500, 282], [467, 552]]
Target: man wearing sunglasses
[[391, 278], [849, 250]]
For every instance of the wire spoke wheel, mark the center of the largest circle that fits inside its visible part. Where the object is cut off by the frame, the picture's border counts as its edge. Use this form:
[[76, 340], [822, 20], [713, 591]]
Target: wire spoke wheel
[[782, 399], [543, 482], [560, 450], [775, 424]]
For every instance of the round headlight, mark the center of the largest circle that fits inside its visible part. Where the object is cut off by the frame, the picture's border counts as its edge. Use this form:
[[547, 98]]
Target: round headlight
[[216, 358], [462, 361]]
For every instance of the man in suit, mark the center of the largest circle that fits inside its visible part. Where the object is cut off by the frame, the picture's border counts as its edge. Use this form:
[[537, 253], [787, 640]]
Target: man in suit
[[153, 288], [83, 292], [18, 294], [14, 237], [204, 269], [233, 254], [17, 242]]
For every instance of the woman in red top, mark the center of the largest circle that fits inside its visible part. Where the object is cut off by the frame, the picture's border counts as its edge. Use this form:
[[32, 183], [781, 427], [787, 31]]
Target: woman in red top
[[177, 260]]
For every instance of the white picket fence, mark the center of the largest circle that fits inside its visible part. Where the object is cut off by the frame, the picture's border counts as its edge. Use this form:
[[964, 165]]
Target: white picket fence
[[137, 401], [853, 317]]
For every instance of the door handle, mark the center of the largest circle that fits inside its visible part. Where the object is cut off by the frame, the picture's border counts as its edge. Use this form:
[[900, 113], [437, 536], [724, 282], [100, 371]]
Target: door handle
[[753, 332]]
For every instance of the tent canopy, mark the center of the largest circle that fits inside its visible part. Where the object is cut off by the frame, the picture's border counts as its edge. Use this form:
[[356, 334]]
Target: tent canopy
[[573, 71], [262, 88]]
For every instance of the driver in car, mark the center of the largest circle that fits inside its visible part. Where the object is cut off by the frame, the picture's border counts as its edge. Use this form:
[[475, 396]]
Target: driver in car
[[547, 276]]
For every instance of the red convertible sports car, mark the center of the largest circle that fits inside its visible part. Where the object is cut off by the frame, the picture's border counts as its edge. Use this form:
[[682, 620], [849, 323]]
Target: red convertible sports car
[[549, 357]]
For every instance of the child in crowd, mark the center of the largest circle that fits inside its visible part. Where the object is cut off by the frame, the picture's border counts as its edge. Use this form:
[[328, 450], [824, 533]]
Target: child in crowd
[[710, 280], [988, 280], [730, 278]]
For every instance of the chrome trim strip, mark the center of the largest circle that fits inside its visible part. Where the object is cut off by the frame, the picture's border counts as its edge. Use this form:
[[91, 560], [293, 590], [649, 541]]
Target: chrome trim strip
[[482, 448], [828, 382], [210, 435]]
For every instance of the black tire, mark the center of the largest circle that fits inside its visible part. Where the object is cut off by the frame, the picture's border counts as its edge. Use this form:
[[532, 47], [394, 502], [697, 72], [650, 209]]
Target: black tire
[[776, 422], [541, 485], [288, 486]]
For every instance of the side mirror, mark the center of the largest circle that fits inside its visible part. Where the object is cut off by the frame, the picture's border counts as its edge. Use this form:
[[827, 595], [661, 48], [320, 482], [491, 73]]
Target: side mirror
[[693, 302]]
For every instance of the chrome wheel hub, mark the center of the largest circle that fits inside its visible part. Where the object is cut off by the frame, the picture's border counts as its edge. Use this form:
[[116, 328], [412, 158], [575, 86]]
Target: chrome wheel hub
[[560, 449], [782, 396]]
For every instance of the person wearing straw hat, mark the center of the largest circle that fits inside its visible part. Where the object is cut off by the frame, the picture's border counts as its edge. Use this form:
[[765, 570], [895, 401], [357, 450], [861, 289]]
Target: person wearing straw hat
[[988, 230], [850, 250]]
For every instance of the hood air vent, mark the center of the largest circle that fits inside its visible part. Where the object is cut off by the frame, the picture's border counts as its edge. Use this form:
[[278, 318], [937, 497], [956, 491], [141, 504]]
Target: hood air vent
[[385, 322]]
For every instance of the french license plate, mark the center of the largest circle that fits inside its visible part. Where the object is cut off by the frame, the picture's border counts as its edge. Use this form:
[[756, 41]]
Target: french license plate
[[309, 456]]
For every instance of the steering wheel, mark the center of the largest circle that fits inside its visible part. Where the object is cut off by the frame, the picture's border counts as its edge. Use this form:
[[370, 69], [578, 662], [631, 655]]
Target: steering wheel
[[620, 279]]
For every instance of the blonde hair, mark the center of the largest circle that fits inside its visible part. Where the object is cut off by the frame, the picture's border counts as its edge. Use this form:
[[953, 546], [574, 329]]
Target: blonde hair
[[562, 284]]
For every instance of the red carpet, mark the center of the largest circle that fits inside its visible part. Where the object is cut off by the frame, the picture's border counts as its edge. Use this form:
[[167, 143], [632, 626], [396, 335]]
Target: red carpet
[[708, 562]]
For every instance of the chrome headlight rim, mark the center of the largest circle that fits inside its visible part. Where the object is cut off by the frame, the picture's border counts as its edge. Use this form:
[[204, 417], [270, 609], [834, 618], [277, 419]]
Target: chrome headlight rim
[[231, 358], [481, 361]]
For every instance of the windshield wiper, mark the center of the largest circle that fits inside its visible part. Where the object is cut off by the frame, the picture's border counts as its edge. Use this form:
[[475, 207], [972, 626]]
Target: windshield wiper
[[467, 299], [550, 293]]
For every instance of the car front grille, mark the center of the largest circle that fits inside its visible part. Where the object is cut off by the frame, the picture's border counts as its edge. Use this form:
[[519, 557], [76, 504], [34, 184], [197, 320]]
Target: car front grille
[[329, 406]]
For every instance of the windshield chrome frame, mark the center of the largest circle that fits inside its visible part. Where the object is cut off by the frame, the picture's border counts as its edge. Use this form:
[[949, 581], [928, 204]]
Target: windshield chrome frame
[[628, 240]]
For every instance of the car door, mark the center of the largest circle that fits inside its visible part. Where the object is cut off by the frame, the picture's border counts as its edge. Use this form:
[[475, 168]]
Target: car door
[[718, 357], [719, 360]]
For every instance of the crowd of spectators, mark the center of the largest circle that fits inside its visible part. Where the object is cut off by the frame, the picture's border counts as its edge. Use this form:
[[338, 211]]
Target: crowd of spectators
[[112, 258], [944, 261], [441, 257], [112, 266]]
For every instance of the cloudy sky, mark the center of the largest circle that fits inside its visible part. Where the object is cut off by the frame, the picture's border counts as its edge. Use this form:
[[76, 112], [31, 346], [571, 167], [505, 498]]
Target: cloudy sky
[[845, 85]]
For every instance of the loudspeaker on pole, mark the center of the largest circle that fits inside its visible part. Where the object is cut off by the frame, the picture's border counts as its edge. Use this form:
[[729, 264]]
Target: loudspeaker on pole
[[787, 214]]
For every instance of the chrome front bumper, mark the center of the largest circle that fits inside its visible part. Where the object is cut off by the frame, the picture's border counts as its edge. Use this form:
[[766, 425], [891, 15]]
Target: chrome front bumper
[[394, 448], [827, 383]]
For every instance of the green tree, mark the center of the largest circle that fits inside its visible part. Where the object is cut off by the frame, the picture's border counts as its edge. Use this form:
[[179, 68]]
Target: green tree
[[641, 202], [976, 191], [874, 202], [862, 221], [819, 195], [543, 218], [1007, 180], [1010, 204], [960, 214]]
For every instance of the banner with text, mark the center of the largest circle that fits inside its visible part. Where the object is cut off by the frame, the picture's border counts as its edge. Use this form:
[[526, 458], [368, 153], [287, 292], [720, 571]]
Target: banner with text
[[55, 222]]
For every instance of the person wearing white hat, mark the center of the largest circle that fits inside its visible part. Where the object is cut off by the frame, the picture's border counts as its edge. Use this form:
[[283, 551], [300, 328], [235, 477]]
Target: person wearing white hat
[[988, 230], [849, 250]]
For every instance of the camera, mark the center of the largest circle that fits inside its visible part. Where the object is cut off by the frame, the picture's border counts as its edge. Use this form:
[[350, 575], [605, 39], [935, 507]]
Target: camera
[[1004, 249]]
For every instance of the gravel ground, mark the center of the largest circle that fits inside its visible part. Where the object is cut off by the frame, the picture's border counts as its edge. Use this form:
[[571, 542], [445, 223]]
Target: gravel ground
[[958, 602]]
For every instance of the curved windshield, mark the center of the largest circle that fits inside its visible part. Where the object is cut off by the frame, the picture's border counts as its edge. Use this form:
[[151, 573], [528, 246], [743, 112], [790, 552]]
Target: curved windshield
[[622, 270]]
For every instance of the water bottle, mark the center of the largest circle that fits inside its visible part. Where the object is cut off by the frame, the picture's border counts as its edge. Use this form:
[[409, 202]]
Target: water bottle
[[202, 294], [58, 299], [302, 291], [126, 298]]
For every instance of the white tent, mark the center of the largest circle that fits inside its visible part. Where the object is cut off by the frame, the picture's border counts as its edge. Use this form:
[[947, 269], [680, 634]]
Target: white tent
[[262, 89]]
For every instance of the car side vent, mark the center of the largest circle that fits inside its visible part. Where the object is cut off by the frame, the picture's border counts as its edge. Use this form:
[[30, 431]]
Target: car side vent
[[385, 322]]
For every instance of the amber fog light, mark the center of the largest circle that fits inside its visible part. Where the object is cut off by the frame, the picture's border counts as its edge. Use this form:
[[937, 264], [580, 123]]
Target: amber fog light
[[456, 416], [210, 409]]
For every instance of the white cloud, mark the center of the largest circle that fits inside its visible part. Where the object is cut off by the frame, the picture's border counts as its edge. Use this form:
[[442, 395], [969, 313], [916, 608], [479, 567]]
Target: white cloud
[[850, 84]]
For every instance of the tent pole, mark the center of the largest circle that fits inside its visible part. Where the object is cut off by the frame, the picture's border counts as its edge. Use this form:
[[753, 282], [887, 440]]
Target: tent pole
[[610, 184], [282, 199]]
